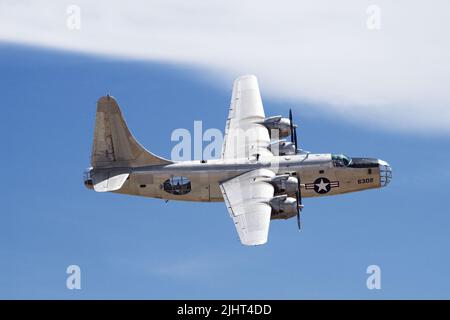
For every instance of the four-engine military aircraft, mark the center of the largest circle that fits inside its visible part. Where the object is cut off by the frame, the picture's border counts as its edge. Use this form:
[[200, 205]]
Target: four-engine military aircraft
[[259, 175]]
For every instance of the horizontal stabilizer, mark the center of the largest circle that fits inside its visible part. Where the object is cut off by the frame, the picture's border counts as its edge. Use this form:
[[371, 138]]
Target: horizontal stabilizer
[[108, 180]]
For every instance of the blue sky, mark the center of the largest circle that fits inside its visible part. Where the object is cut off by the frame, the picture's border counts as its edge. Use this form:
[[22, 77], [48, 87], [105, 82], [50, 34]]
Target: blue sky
[[138, 248]]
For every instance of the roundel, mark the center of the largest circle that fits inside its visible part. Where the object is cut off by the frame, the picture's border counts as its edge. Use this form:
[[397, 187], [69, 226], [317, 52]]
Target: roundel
[[322, 185]]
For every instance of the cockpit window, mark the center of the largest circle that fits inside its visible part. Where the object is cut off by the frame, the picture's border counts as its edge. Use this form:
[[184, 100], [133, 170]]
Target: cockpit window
[[340, 160], [177, 185]]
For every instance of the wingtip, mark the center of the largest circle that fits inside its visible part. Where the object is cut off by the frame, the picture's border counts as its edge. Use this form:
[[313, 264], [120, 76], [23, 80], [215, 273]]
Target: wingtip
[[254, 243], [246, 77], [247, 82]]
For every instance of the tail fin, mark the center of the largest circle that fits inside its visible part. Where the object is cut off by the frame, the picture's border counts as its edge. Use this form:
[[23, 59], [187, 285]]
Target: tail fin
[[114, 145]]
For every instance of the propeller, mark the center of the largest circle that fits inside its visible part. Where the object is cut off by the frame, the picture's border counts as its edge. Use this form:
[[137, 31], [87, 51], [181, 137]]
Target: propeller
[[293, 131], [295, 140], [291, 125], [298, 195]]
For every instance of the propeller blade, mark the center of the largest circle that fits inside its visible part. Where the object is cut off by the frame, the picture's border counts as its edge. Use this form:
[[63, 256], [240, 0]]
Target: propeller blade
[[298, 211], [299, 202], [291, 125], [299, 191], [295, 140]]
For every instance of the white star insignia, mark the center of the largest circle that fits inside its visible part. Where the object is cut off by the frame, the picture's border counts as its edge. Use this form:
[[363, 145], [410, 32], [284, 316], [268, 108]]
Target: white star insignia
[[322, 185]]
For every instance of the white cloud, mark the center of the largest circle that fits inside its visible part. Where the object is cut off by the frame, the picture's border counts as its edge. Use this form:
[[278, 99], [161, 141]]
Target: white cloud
[[320, 51]]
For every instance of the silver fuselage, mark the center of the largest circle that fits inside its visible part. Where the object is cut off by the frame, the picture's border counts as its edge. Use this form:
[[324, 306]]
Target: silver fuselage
[[317, 172]]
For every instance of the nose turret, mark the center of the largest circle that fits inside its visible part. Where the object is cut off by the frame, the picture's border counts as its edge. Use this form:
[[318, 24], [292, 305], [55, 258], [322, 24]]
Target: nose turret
[[385, 172]]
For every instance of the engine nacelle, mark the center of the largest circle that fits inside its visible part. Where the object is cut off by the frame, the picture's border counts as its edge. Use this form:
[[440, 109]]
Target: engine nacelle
[[283, 125], [283, 207], [284, 147], [285, 184]]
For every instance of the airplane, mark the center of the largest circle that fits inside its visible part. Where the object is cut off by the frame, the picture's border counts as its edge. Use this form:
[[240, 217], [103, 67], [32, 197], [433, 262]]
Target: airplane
[[261, 176]]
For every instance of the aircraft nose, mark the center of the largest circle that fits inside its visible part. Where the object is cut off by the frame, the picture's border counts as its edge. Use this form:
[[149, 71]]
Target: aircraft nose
[[385, 172]]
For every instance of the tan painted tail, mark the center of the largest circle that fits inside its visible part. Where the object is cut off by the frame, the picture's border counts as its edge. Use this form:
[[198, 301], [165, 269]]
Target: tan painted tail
[[114, 145]]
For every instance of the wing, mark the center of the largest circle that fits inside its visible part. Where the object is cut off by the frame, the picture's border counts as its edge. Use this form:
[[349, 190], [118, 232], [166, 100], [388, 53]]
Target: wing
[[245, 135], [247, 198]]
